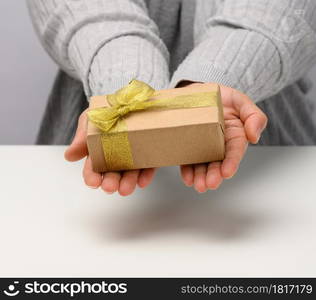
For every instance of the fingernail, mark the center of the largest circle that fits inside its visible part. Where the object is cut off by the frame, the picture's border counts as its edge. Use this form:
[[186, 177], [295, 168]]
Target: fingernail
[[201, 191], [109, 193], [259, 132], [93, 187]]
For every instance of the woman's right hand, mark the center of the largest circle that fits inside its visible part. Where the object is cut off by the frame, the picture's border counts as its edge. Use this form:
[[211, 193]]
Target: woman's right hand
[[123, 182]]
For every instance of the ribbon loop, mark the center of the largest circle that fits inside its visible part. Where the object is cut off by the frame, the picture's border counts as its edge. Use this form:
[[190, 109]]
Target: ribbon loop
[[123, 110]]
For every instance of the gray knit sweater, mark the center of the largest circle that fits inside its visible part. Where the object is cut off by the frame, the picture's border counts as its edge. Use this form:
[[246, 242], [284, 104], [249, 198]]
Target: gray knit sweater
[[256, 46]]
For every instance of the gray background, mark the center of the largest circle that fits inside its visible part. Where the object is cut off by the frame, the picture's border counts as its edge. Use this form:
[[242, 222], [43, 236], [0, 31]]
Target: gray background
[[26, 75]]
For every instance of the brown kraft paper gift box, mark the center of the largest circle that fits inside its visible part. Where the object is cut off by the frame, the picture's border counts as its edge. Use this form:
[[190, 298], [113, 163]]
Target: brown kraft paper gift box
[[167, 137]]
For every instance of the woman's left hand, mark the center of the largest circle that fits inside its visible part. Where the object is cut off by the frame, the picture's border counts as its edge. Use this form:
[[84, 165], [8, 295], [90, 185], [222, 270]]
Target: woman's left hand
[[244, 122]]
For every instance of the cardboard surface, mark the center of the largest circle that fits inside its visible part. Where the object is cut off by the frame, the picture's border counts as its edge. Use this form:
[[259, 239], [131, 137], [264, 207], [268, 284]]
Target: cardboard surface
[[167, 137]]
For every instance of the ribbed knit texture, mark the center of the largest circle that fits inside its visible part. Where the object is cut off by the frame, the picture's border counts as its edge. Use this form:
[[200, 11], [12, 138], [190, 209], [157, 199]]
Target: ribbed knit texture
[[256, 46], [247, 45], [104, 43]]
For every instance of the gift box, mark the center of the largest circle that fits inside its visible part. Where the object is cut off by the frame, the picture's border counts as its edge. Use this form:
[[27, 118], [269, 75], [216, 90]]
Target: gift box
[[138, 127]]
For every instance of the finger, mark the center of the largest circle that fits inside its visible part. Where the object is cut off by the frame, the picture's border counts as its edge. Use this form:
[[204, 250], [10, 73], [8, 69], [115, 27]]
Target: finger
[[255, 121], [214, 176], [200, 177], [128, 182], [254, 126], [91, 178], [145, 177], [235, 150], [187, 173], [78, 148], [111, 182]]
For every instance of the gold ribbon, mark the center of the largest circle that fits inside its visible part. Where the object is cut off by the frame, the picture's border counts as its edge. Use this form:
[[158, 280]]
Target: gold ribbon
[[132, 98]]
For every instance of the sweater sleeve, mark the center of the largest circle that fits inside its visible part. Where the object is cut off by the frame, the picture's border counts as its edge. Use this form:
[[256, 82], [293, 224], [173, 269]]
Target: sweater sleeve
[[257, 46], [103, 43]]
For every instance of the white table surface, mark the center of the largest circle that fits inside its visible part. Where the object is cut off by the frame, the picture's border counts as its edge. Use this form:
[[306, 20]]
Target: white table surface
[[260, 223]]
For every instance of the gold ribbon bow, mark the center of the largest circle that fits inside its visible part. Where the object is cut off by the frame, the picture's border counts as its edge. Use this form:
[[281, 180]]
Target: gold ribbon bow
[[132, 98]]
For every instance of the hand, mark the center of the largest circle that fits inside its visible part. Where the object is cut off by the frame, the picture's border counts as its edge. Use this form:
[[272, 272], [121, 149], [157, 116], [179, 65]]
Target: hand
[[244, 122], [123, 182]]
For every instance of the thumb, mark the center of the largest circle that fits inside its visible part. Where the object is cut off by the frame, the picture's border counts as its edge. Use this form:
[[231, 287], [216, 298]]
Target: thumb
[[254, 119], [78, 148]]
